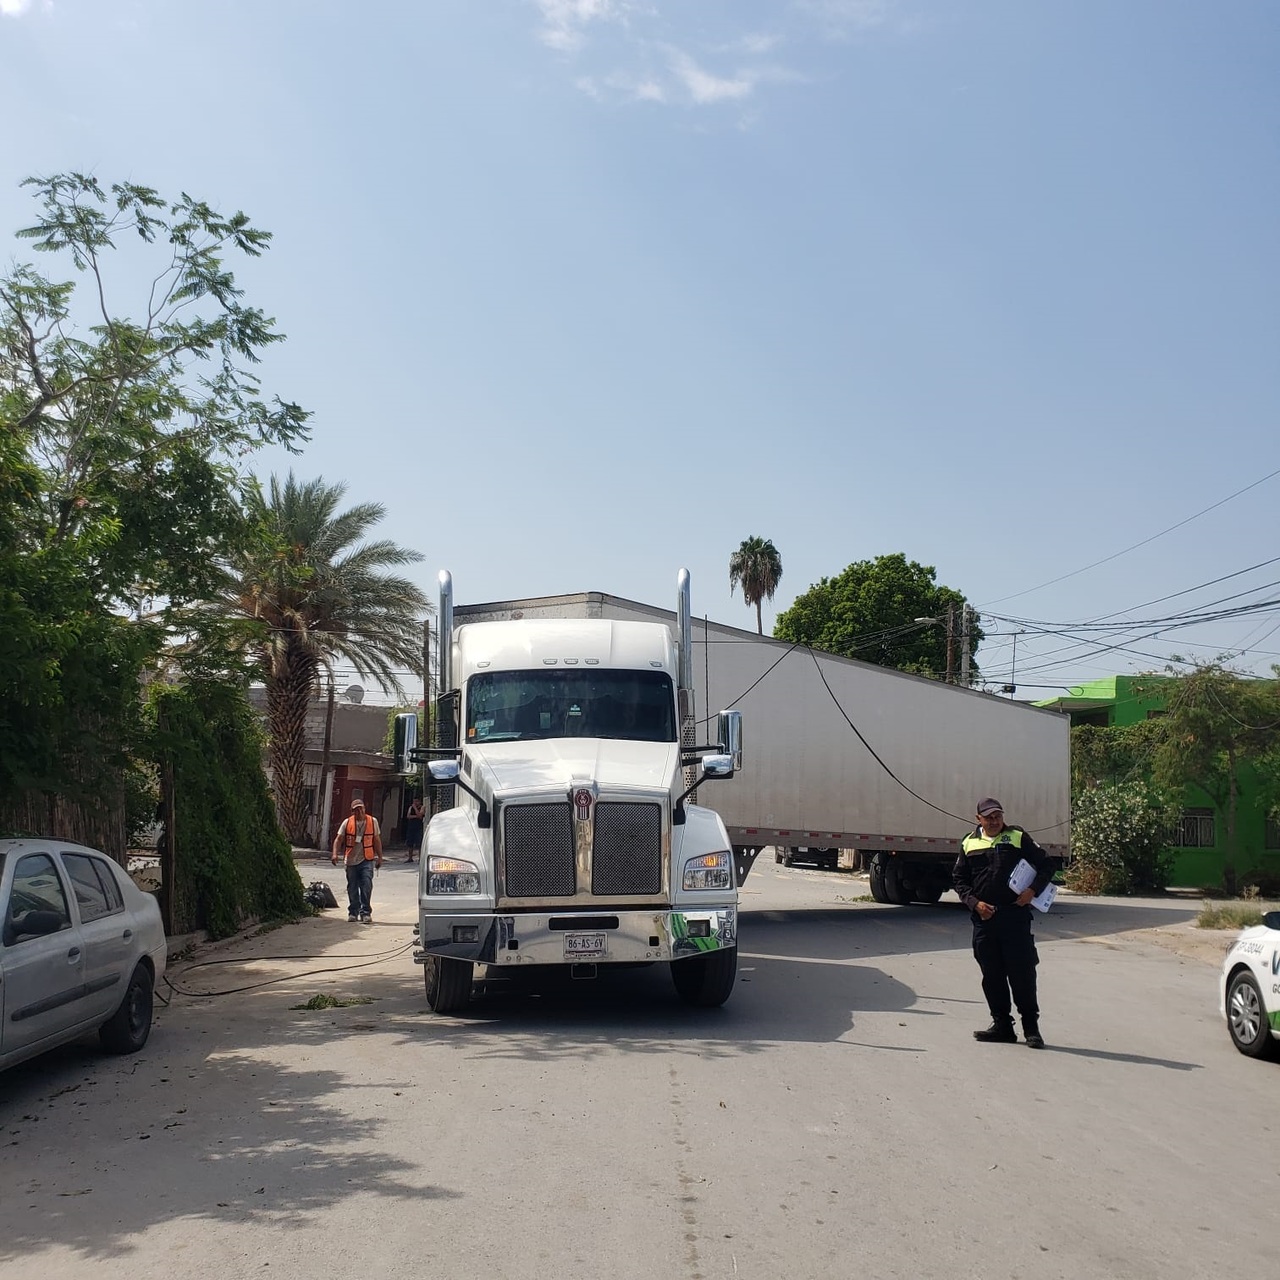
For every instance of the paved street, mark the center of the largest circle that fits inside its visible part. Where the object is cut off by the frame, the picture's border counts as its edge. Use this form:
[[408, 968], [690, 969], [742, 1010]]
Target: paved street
[[835, 1118]]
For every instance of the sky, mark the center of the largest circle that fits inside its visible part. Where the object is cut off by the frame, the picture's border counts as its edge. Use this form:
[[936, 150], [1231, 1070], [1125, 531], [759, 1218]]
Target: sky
[[587, 291]]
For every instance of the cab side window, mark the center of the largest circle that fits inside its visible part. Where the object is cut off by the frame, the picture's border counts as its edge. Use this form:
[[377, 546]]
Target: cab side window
[[37, 902], [97, 893]]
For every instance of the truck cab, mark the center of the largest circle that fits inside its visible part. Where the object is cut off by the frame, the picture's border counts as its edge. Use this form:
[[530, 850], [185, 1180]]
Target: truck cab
[[569, 839]]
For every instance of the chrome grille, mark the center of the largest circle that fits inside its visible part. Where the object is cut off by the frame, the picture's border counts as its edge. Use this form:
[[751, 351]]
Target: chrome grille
[[538, 850], [626, 855]]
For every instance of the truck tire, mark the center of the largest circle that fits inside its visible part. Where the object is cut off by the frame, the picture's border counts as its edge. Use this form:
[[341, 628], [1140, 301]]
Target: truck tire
[[876, 867], [788, 857], [706, 981], [895, 884], [448, 982]]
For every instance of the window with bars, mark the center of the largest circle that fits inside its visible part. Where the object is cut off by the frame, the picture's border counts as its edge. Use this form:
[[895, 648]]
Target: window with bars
[[1194, 830]]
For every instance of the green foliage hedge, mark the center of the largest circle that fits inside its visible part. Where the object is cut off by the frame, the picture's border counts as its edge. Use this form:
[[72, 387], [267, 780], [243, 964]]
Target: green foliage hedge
[[1119, 840], [233, 862]]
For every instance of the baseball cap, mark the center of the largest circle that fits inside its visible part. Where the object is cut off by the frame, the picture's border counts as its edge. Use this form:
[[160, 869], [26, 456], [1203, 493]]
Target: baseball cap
[[989, 805], [357, 800]]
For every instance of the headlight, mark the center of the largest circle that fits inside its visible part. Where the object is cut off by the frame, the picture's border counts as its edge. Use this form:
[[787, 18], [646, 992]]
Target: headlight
[[452, 875], [710, 871]]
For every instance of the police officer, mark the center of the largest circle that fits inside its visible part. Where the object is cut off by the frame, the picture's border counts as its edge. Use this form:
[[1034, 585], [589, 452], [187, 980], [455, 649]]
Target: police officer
[[1002, 942]]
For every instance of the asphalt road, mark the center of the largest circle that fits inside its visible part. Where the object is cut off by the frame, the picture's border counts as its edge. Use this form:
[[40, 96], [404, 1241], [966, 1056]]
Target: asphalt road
[[836, 1118]]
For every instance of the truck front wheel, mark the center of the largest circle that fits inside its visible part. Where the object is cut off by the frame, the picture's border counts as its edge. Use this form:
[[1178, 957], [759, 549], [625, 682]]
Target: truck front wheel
[[707, 980], [448, 983]]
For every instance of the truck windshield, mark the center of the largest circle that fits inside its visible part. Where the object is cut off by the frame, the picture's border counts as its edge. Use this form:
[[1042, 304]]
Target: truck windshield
[[509, 706]]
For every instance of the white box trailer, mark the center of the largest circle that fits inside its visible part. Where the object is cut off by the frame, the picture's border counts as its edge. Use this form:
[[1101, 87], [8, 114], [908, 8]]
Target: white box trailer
[[846, 755]]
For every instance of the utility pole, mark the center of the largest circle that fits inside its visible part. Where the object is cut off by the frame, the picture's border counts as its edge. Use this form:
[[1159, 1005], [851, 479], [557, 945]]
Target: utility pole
[[967, 618], [951, 644]]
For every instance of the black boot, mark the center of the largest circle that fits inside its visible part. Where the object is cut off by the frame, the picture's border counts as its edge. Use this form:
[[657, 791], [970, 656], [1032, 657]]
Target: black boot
[[1031, 1033], [999, 1032]]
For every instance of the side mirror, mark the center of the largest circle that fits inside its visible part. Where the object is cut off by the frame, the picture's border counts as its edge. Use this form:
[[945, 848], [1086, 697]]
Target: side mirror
[[406, 742], [729, 735], [717, 766], [444, 770]]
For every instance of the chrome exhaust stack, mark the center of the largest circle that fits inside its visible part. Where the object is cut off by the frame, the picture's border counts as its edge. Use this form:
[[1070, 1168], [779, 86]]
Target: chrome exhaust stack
[[444, 657], [684, 621]]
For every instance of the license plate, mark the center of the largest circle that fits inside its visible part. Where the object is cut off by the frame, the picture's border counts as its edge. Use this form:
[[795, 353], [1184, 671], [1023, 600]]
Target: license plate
[[584, 946]]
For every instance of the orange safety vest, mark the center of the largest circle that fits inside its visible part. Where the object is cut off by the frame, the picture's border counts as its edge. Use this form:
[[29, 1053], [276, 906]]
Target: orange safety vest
[[349, 830]]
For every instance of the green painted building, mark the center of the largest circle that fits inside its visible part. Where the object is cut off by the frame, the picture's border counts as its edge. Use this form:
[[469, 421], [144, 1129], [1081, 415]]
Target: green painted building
[[1200, 848]]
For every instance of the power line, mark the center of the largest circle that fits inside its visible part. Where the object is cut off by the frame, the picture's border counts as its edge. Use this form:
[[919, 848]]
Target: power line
[[1116, 555]]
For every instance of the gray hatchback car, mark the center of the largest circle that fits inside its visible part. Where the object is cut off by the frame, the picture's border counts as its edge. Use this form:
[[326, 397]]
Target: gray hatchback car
[[81, 949]]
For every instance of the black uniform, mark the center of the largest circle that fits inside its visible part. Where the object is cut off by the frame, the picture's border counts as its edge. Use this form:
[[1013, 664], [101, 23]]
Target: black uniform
[[1003, 946]]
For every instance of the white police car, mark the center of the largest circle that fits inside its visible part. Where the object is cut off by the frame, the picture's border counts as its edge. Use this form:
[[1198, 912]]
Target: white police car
[[1250, 989]]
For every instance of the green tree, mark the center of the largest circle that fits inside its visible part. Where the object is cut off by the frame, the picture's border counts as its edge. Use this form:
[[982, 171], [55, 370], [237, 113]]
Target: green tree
[[118, 432], [757, 567], [1111, 753], [1218, 722], [872, 611], [316, 594]]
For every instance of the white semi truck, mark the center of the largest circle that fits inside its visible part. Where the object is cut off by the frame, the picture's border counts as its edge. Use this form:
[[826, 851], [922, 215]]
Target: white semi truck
[[569, 838], [849, 757]]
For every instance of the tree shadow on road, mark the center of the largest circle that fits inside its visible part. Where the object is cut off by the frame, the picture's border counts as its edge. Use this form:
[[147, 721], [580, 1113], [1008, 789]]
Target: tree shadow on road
[[203, 1124]]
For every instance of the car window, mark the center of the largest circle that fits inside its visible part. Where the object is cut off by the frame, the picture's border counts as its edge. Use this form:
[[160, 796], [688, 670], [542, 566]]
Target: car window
[[37, 902], [97, 892]]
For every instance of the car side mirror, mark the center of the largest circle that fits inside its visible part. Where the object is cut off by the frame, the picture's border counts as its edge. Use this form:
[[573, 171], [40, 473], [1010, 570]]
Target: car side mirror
[[32, 924]]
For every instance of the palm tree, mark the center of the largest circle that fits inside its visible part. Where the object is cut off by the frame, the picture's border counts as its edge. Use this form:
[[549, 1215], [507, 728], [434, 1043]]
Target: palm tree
[[758, 567], [315, 594]]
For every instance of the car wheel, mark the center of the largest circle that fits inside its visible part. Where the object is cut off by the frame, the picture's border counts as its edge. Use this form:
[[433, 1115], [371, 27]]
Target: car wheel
[[127, 1029], [448, 982], [706, 981], [1247, 1018]]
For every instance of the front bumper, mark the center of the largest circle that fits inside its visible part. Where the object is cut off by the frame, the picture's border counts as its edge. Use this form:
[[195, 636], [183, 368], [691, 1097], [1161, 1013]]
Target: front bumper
[[542, 937]]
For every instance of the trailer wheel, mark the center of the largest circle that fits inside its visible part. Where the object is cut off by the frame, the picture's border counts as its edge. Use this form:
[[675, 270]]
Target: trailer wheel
[[777, 853], [788, 857], [706, 981], [878, 889], [448, 982], [895, 884]]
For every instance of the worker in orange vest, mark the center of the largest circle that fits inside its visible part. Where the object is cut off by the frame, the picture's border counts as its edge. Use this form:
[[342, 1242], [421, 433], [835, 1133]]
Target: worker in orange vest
[[359, 843]]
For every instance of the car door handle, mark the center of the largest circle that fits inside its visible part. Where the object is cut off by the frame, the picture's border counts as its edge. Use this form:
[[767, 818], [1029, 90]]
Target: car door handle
[[73, 955], [128, 933]]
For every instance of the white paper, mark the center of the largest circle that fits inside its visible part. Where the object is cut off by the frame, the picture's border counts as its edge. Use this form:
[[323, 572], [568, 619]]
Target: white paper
[[1045, 900], [1023, 877]]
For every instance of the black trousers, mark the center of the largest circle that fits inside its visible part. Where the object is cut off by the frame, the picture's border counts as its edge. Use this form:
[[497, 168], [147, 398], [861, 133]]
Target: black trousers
[[1006, 953]]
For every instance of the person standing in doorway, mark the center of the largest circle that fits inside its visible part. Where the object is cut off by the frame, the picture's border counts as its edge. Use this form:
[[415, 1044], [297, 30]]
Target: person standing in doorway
[[1003, 944], [359, 843], [413, 827]]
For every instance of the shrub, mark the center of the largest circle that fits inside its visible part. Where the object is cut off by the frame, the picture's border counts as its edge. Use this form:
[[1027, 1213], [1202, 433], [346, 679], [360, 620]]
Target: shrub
[[1119, 840], [1230, 915], [233, 862]]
